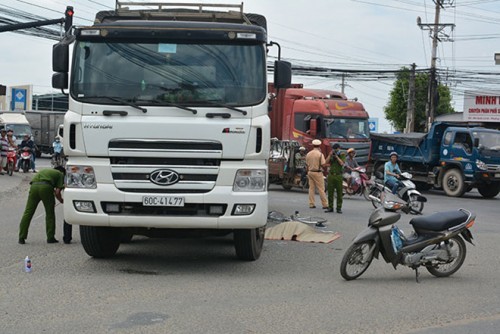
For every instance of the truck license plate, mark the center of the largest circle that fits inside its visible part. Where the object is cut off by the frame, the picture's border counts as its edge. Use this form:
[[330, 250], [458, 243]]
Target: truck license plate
[[162, 201]]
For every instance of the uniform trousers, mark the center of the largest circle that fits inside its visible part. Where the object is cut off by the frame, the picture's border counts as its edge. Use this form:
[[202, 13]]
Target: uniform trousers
[[44, 193]]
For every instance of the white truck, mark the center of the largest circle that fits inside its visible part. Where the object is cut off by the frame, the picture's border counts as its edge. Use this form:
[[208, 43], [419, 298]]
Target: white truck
[[17, 122], [167, 131]]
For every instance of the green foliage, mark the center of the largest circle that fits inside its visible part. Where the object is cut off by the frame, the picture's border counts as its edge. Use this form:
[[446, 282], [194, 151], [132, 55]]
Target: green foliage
[[396, 109]]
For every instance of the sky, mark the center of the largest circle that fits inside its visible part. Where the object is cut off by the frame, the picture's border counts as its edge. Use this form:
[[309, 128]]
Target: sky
[[333, 34]]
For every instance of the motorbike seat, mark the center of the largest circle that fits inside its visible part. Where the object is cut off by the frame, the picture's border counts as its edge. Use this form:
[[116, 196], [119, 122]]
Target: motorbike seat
[[439, 221]]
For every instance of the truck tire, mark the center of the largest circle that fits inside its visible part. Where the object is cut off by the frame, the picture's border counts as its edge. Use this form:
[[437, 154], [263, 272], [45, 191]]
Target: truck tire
[[100, 242], [453, 183], [488, 190], [248, 243]]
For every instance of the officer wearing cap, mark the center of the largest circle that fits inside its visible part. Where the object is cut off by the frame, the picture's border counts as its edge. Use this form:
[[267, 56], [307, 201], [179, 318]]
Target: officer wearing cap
[[336, 158], [315, 161], [392, 173]]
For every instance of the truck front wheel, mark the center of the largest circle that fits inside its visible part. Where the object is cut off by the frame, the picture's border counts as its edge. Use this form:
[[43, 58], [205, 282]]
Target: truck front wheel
[[248, 243], [489, 190], [100, 242], [453, 183]]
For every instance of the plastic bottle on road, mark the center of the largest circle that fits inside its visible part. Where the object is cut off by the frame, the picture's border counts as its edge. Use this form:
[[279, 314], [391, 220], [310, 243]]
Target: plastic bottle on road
[[27, 264]]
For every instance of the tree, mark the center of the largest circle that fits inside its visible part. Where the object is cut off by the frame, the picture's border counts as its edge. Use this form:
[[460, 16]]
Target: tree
[[395, 111]]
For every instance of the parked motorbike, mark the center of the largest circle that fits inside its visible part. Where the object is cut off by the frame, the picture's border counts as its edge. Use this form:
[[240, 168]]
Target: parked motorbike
[[25, 159], [436, 243], [360, 183], [11, 160], [408, 193]]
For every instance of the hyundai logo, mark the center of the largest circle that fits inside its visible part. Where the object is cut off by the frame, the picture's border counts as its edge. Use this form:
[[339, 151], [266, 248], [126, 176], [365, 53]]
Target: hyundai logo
[[164, 177]]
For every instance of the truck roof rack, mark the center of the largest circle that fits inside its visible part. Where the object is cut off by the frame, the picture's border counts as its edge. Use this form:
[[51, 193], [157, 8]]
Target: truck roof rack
[[131, 10]]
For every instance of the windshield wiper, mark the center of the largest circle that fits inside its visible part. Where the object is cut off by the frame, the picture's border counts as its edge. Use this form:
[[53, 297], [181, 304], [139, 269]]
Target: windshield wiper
[[119, 99], [169, 104], [218, 104]]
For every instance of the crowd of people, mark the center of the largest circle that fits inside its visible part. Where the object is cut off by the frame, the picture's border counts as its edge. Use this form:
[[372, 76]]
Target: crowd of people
[[339, 166]]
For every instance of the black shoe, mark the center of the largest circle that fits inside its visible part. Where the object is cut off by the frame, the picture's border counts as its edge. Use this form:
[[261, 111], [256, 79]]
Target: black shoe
[[339, 211], [328, 210], [312, 207], [52, 241], [67, 241], [21, 241]]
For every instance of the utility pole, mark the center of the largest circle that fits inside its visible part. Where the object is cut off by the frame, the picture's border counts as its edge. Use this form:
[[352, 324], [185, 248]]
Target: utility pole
[[436, 31], [342, 85], [410, 113]]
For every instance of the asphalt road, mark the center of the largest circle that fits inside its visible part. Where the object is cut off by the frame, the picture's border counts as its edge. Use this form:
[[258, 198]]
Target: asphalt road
[[198, 286]]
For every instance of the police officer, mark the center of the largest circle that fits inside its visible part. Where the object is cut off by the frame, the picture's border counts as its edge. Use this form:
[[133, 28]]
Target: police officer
[[336, 159], [44, 185]]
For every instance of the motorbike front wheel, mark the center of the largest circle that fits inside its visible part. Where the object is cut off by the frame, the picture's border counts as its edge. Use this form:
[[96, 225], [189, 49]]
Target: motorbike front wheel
[[356, 260], [415, 205], [10, 168], [444, 269]]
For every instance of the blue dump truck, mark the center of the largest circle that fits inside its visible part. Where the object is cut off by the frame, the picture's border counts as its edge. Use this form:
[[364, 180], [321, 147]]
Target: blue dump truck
[[451, 157]]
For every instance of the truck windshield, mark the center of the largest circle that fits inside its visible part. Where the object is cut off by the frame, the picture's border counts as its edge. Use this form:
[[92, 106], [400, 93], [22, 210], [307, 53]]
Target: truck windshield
[[19, 130], [488, 140], [347, 128], [184, 74]]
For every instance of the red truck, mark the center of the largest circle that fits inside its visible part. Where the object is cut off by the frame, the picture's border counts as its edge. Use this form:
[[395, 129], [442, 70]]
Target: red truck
[[301, 115]]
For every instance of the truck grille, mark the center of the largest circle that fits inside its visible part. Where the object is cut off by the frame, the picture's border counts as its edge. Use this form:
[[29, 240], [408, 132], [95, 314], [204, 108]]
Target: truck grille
[[493, 168], [193, 164]]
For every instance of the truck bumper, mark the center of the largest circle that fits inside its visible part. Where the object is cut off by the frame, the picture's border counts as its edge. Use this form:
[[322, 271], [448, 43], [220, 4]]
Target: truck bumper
[[487, 177], [196, 213]]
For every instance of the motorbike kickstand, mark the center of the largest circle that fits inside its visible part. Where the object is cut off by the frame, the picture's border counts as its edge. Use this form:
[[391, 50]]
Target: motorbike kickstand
[[417, 274]]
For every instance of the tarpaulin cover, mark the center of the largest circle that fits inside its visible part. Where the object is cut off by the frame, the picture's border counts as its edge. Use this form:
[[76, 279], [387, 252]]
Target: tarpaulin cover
[[408, 139]]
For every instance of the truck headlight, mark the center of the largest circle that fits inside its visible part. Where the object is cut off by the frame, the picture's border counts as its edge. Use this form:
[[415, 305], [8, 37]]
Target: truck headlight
[[250, 180], [481, 165], [80, 177]]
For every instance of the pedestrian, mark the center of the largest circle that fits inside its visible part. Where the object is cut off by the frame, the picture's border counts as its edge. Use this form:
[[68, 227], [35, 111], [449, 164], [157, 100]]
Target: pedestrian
[[300, 164], [315, 162], [336, 159], [44, 185], [4, 149], [392, 173]]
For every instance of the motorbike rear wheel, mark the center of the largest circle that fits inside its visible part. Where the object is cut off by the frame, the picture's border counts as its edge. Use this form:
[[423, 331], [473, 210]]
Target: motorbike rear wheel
[[416, 206], [356, 260], [445, 269], [376, 192]]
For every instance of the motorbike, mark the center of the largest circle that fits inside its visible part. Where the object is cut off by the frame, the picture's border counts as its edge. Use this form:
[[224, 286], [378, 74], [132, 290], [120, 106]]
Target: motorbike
[[360, 183], [25, 159], [437, 242], [408, 192], [11, 160]]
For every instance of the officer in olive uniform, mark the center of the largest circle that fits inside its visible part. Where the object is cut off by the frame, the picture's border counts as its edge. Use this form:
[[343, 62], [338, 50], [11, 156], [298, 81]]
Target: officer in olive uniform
[[336, 159], [44, 186]]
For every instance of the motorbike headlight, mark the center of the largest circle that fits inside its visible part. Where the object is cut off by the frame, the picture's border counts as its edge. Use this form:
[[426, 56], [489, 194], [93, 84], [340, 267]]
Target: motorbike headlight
[[250, 180], [80, 177], [481, 165]]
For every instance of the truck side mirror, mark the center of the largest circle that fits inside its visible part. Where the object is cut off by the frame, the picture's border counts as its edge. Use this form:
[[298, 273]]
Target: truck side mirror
[[60, 58], [60, 80], [313, 128], [282, 74]]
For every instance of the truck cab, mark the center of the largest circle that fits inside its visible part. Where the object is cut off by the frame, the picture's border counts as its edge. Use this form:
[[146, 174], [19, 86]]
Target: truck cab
[[17, 122], [302, 114], [167, 131]]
